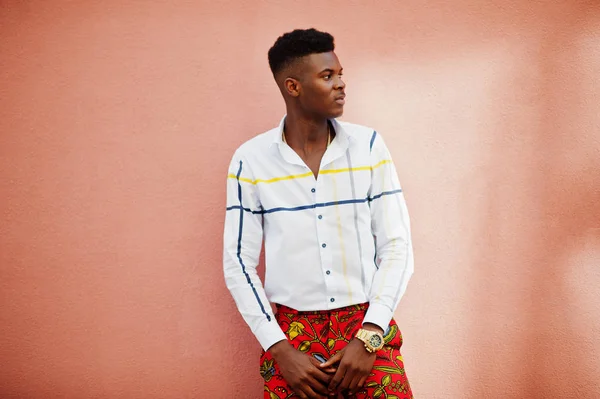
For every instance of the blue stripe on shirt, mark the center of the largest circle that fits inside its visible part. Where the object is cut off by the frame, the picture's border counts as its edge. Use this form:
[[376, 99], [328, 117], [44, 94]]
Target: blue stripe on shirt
[[312, 206], [372, 140], [239, 245]]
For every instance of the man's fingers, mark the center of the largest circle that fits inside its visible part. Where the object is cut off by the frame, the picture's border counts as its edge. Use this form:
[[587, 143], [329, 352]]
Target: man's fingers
[[348, 377], [323, 378], [310, 393], [333, 360], [353, 387], [362, 381], [337, 378], [317, 385], [301, 394], [324, 373]]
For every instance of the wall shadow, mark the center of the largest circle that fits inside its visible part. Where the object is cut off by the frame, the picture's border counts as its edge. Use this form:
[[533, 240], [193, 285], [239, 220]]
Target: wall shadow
[[541, 212]]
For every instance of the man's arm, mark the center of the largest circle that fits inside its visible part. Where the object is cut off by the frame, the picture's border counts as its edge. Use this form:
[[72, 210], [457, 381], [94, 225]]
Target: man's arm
[[391, 229], [390, 225], [242, 242]]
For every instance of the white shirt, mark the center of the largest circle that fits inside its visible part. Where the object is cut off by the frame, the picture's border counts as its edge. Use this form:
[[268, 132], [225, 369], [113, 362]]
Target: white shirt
[[338, 240]]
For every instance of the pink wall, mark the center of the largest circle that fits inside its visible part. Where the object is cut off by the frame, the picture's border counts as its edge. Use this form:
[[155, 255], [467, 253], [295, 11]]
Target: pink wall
[[117, 121]]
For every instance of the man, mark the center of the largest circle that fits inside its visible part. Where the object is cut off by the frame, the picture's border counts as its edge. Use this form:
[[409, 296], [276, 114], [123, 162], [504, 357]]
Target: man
[[325, 196]]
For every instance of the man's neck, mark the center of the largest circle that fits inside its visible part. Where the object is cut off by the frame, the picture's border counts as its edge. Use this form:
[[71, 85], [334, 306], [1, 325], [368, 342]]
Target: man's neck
[[306, 135]]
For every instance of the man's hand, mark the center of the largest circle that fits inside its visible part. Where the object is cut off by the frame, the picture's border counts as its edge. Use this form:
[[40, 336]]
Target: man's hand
[[355, 365], [301, 371]]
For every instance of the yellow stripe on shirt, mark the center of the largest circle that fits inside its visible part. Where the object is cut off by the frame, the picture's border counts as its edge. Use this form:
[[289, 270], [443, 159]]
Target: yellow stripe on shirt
[[356, 169], [272, 180], [341, 237], [307, 174]]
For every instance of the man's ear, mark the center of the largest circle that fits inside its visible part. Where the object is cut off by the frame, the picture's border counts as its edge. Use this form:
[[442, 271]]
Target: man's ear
[[292, 86]]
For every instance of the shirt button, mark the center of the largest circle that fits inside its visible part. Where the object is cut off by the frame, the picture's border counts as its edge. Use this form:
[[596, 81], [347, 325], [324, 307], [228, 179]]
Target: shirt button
[[312, 190], [332, 299], [320, 216], [328, 272], [323, 245]]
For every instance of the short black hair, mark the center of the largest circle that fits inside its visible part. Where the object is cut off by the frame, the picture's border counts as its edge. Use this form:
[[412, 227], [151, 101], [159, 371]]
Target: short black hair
[[298, 43]]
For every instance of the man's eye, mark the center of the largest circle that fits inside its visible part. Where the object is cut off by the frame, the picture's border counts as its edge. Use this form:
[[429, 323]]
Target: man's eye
[[327, 77]]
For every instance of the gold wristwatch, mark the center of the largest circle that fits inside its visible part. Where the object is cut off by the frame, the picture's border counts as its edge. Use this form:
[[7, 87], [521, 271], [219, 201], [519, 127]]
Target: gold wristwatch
[[372, 339]]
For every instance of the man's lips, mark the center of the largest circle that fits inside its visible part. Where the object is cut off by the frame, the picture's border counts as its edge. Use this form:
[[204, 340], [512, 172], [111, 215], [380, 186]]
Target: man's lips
[[340, 99]]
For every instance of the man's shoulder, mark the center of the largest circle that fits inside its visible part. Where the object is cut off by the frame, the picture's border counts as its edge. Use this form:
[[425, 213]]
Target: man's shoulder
[[355, 127], [358, 132], [256, 145]]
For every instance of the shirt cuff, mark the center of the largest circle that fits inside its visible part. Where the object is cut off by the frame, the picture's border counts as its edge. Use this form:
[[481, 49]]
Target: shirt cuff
[[378, 314], [269, 333]]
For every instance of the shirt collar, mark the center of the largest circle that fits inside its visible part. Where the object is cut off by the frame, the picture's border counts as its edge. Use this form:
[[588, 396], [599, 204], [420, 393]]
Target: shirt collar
[[339, 132], [278, 132]]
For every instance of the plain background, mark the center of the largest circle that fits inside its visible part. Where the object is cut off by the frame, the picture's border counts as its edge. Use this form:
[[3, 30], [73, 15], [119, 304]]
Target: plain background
[[118, 120]]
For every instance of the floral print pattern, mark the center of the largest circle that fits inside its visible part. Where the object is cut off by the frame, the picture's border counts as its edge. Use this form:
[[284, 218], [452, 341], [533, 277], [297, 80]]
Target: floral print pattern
[[323, 333]]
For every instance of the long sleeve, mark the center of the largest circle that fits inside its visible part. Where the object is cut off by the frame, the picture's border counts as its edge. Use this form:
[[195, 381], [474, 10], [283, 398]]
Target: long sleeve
[[242, 242], [391, 229]]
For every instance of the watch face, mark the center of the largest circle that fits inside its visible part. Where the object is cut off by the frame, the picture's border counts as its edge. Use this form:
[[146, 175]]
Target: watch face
[[375, 341]]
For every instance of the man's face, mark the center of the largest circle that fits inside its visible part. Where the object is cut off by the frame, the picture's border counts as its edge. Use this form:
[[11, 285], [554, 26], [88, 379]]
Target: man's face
[[321, 86]]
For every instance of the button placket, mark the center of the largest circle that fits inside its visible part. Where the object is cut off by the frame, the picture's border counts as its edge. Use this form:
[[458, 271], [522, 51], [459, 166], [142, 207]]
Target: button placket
[[323, 240]]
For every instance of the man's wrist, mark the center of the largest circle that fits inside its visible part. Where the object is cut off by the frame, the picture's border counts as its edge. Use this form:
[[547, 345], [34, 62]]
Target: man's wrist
[[372, 327], [371, 337], [279, 348]]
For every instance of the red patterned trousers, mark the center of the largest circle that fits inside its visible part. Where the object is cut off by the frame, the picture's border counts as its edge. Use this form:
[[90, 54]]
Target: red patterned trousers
[[323, 333]]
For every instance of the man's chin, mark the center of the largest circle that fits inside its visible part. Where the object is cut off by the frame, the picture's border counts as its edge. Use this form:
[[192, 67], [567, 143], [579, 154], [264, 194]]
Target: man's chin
[[337, 114]]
